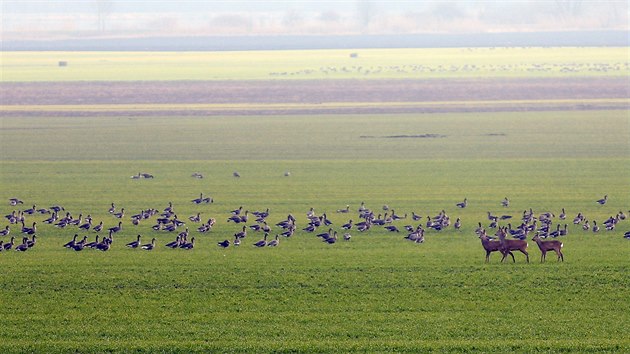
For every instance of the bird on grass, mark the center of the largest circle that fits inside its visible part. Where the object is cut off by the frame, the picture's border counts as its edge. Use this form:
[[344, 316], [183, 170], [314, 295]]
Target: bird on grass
[[263, 242], [134, 244], [149, 246]]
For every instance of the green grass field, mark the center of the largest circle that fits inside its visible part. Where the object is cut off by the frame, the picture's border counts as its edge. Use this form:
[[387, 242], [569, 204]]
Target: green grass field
[[316, 64], [375, 293]]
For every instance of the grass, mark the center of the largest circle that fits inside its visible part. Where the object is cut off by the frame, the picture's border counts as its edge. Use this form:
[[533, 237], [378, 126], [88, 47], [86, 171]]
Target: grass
[[376, 293], [316, 64]]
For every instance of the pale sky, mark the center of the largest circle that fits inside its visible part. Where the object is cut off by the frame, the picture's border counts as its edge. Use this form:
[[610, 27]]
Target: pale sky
[[76, 18]]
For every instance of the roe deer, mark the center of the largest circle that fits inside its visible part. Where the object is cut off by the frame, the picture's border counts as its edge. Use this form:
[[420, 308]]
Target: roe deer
[[512, 245], [545, 246], [491, 246]]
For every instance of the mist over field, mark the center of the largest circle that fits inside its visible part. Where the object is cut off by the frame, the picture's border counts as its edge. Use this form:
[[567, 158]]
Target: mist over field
[[105, 18]]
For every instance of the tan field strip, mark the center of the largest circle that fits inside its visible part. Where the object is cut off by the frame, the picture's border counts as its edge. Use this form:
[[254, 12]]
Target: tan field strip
[[220, 107]]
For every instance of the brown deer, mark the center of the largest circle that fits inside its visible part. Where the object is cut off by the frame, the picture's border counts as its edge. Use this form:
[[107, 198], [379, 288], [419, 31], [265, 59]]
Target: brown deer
[[545, 246], [491, 246], [511, 245]]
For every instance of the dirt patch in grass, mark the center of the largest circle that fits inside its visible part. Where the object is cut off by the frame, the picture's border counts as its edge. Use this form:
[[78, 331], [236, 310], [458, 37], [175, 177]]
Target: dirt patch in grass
[[294, 93]]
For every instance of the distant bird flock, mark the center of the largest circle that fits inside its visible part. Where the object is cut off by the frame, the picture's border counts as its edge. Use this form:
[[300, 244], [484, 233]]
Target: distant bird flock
[[505, 239]]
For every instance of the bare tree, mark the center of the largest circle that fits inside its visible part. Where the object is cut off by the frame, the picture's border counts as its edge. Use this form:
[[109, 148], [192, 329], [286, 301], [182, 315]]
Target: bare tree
[[567, 9], [103, 10], [365, 13]]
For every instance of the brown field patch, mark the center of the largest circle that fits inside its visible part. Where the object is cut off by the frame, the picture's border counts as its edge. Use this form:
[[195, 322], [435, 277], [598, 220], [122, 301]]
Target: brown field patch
[[354, 93]]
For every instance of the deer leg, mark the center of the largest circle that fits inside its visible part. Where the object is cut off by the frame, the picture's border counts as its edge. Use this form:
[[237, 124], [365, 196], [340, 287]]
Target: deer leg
[[526, 255], [512, 254]]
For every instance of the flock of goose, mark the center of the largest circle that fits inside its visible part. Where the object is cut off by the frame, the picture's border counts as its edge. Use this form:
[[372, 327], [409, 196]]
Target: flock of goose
[[541, 225]]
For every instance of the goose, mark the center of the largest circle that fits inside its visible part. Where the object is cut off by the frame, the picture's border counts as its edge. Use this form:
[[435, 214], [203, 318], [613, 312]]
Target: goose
[[31, 243], [79, 245], [242, 233], [621, 215], [332, 239], [237, 211], [15, 201], [197, 175], [52, 218], [263, 242], [198, 200], [346, 210], [562, 215], [326, 235], [120, 214], [136, 176], [391, 228], [262, 214], [99, 227], [595, 227], [347, 226], [104, 245], [1, 246], [627, 235], [116, 229], [225, 243], [265, 227], [6, 231], [30, 211], [93, 243], [56, 208], [462, 204], [149, 246], [415, 217], [112, 209], [398, 217], [236, 242], [505, 217], [32, 230], [586, 226], [135, 243], [24, 246], [72, 242], [236, 174], [564, 231], [188, 245], [385, 207], [195, 218], [506, 202], [147, 175], [174, 244], [87, 225], [362, 207], [346, 236], [289, 232], [603, 200], [310, 228], [77, 221], [274, 243], [458, 224], [237, 218], [7, 246]]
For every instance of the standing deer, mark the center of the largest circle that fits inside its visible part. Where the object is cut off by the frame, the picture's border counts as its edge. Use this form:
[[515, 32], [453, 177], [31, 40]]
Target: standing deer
[[512, 245], [491, 246], [545, 246]]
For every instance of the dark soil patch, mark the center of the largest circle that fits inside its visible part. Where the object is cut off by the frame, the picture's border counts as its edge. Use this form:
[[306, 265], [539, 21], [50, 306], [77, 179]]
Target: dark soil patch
[[315, 92]]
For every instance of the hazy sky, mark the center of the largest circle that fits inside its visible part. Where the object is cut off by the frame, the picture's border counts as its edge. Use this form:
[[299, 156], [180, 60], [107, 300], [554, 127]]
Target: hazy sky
[[37, 18]]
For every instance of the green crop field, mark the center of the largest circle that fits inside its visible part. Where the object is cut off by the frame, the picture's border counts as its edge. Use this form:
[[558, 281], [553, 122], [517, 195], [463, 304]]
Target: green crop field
[[374, 293], [316, 64]]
